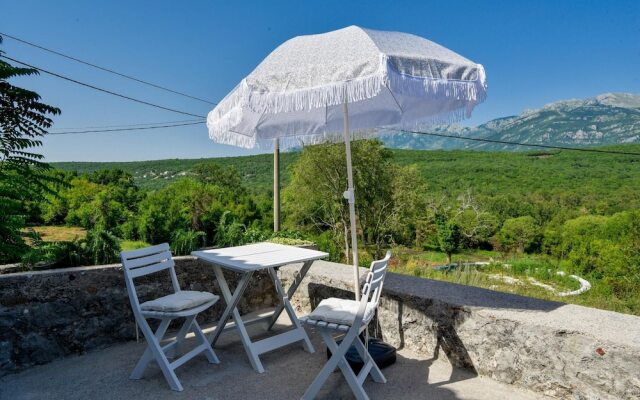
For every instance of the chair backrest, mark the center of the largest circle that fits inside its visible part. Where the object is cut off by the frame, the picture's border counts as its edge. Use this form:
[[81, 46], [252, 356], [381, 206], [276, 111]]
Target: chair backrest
[[141, 262], [372, 288]]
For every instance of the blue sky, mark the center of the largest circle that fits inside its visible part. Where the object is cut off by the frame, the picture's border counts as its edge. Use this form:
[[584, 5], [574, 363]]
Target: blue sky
[[534, 52]]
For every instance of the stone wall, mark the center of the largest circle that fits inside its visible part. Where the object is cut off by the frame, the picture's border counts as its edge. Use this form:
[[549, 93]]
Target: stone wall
[[563, 351], [49, 314]]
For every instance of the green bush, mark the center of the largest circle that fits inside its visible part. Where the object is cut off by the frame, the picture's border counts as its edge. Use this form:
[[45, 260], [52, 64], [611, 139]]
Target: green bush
[[521, 234], [42, 253], [229, 232], [365, 259], [254, 235], [101, 247], [55, 255], [290, 242], [289, 234], [327, 242], [183, 242], [127, 245]]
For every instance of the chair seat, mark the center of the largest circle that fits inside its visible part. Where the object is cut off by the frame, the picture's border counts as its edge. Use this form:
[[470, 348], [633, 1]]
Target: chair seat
[[340, 311], [182, 300]]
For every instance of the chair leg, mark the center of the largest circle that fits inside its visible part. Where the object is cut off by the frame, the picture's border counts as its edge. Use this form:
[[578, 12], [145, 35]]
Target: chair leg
[[352, 380], [180, 337], [211, 355], [337, 360], [154, 350], [375, 372], [146, 358]]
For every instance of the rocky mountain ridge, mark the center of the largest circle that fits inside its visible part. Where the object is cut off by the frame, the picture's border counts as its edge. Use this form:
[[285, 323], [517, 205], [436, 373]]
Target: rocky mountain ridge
[[609, 118]]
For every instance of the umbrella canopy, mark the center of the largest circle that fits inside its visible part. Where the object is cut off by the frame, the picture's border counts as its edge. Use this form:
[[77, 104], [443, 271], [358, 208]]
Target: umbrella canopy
[[390, 80], [312, 88]]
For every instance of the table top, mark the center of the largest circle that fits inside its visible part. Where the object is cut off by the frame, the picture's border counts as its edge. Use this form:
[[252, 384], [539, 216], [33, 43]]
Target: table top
[[253, 257]]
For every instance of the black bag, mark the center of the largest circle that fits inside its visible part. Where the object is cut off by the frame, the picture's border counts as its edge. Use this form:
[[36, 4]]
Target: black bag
[[382, 353]]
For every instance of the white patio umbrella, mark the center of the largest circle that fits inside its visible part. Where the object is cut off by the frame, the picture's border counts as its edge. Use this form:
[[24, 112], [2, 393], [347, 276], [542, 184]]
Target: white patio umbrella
[[320, 88]]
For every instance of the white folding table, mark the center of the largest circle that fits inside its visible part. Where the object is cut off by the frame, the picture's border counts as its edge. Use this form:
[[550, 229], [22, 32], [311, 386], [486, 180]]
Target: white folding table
[[245, 260]]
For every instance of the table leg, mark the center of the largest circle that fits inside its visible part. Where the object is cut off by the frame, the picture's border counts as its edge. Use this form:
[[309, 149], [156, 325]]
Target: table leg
[[231, 300], [292, 315], [232, 309], [290, 292]]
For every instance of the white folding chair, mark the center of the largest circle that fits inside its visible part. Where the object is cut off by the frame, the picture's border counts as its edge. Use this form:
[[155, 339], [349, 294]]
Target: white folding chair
[[349, 318], [180, 304]]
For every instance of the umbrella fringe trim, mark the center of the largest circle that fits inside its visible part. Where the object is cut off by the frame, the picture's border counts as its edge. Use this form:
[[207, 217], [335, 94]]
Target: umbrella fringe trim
[[233, 138]]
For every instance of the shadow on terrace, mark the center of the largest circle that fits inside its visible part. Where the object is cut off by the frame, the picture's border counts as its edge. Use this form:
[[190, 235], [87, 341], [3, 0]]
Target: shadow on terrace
[[104, 374]]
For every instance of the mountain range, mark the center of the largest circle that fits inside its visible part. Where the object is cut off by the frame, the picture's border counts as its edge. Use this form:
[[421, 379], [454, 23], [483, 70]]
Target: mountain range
[[610, 118]]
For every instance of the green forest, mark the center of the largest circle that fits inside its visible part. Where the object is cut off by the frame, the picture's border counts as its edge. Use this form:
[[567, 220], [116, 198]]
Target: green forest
[[570, 211]]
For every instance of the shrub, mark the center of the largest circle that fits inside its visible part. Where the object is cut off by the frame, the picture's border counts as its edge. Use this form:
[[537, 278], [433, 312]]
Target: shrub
[[54, 255], [289, 234], [521, 234], [290, 242], [254, 235], [101, 247], [327, 242], [127, 245], [183, 242], [229, 233], [365, 259]]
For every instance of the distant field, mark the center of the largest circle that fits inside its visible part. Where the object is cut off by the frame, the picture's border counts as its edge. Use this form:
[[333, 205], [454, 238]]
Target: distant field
[[59, 233]]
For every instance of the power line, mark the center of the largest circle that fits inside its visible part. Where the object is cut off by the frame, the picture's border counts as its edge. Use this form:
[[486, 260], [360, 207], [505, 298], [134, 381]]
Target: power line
[[108, 70], [103, 90], [125, 129], [405, 131], [126, 125], [544, 146]]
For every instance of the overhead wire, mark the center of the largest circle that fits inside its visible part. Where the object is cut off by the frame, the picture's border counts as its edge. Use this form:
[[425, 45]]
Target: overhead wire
[[101, 89], [125, 129], [109, 70], [67, 128]]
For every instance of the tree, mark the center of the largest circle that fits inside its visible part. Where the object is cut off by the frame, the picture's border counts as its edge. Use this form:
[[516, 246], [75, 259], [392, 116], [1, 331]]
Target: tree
[[604, 249], [23, 120], [477, 226], [314, 200], [448, 234], [520, 234], [105, 199], [190, 204], [214, 174]]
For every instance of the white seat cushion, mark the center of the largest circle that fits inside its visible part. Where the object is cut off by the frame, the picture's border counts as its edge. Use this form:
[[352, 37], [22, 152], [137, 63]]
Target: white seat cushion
[[340, 311], [178, 301]]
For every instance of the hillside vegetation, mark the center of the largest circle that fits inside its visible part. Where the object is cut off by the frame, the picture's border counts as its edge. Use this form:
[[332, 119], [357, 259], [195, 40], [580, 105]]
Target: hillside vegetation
[[592, 177], [256, 171], [538, 212]]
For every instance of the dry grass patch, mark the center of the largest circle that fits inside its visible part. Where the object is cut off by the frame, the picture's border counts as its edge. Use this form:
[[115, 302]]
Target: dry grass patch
[[59, 233]]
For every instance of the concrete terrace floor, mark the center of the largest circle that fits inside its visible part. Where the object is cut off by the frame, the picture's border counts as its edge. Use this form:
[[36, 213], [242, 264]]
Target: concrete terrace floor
[[103, 374]]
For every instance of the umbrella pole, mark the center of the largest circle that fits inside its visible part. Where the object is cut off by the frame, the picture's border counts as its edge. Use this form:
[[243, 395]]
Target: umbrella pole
[[350, 196], [276, 185]]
